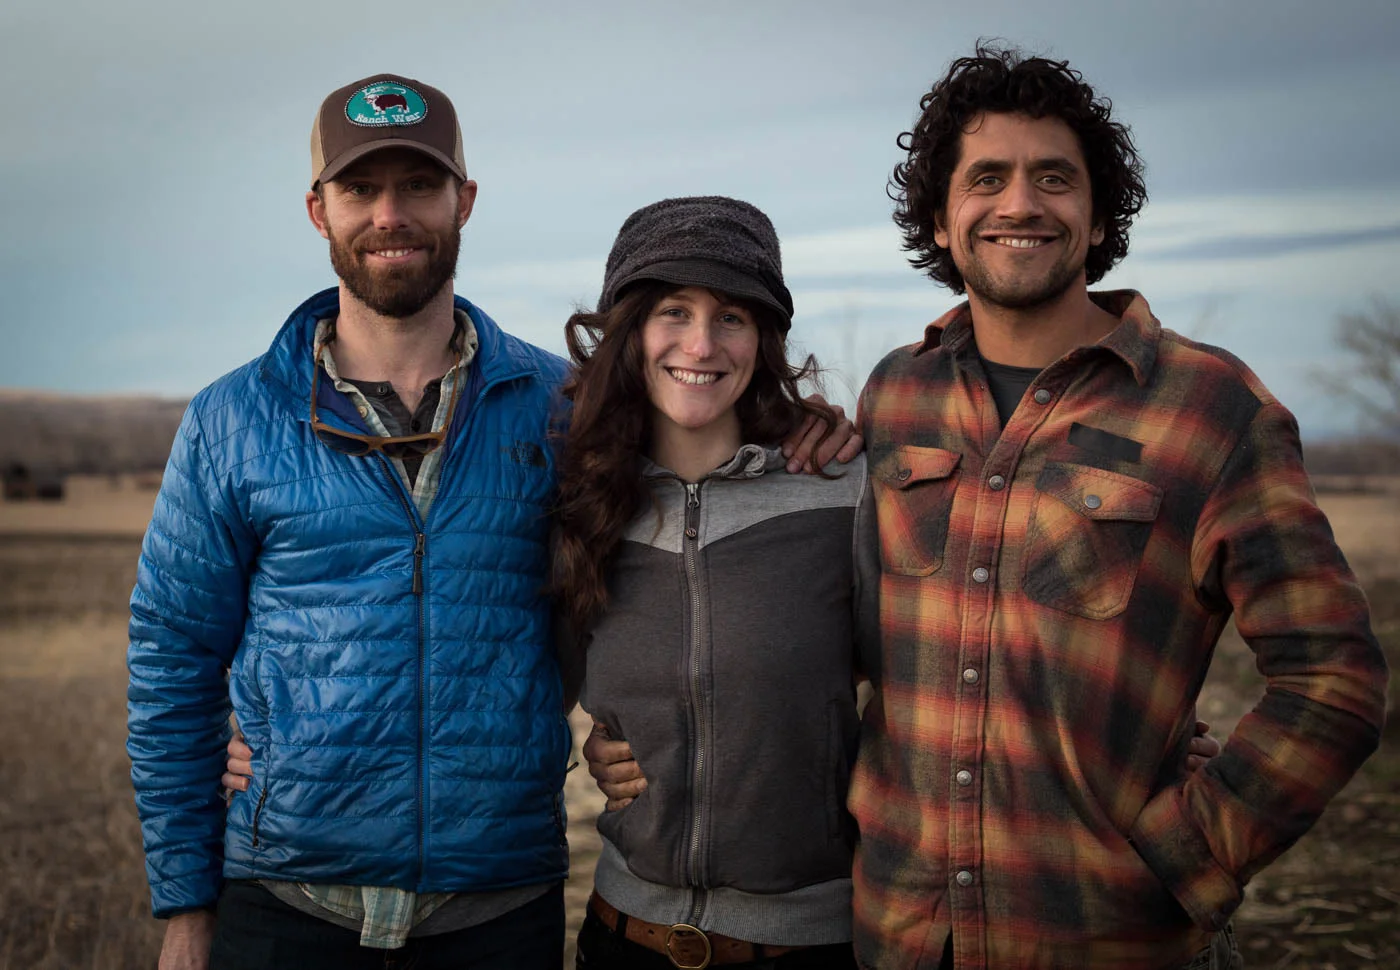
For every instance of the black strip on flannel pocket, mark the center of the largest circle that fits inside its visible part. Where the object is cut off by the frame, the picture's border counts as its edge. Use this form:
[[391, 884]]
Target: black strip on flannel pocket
[[1105, 443]]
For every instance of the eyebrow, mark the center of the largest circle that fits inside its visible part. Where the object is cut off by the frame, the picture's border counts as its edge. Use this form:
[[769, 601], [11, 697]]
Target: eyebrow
[[996, 166]]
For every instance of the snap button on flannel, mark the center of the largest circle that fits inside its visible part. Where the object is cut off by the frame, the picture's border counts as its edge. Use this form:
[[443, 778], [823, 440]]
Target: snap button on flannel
[[904, 474], [996, 483], [981, 574], [964, 777], [1042, 396], [1092, 501], [970, 676], [964, 878]]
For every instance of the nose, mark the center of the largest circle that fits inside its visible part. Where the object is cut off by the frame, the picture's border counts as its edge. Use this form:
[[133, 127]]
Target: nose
[[699, 340], [389, 211], [1019, 201]]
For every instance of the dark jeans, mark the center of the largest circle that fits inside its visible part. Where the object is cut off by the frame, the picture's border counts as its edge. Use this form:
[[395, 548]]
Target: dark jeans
[[599, 948], [1222, 953], [257, 931]]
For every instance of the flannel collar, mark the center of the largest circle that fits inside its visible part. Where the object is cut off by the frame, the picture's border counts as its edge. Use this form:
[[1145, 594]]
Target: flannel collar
[[1134, 340]]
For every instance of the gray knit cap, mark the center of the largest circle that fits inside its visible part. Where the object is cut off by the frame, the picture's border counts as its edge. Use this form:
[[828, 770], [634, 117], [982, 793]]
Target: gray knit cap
[[706, 240]]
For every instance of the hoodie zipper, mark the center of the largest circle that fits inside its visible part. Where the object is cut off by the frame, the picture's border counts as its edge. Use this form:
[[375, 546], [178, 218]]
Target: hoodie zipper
[[697, 702]]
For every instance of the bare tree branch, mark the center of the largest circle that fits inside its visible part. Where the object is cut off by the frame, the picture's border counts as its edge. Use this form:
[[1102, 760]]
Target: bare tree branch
[[1370, 380]]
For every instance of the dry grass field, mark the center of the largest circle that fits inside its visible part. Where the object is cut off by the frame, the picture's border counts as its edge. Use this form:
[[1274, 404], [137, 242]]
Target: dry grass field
[[72, 888]]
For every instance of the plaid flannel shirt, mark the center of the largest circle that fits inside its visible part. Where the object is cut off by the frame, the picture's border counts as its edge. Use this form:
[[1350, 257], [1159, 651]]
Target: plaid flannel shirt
[[1051, 596]]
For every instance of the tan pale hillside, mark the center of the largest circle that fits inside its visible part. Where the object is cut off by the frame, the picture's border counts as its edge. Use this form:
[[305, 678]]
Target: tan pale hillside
[[95, 435]]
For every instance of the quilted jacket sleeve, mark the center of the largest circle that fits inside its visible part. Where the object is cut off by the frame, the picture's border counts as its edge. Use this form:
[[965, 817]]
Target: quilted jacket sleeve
[[187, 617]]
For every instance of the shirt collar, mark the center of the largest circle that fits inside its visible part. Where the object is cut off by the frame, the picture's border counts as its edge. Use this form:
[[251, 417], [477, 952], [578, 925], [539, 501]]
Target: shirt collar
[[463, 341], [1134, 340]]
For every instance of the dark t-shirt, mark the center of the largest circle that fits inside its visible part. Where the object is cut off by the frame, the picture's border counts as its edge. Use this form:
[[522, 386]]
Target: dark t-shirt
[[1008, 385], [394, 414]]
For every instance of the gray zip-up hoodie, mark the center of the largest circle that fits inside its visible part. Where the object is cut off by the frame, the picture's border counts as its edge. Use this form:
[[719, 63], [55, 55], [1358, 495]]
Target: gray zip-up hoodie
[[725, 658]]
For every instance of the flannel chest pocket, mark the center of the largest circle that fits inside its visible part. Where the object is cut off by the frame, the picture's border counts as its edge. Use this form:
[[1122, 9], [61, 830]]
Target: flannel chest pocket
[[914, 490], [1084, 545]]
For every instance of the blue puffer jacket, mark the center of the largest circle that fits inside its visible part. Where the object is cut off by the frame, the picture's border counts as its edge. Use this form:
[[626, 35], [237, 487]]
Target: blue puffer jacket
[[394, 677]]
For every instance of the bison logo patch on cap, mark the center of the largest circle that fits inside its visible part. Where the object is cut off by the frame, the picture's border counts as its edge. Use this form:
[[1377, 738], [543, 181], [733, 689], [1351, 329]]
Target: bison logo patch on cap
[[385, 103]]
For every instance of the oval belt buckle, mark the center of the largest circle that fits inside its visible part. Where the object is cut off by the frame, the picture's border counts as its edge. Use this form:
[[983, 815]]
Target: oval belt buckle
[[697, 931]]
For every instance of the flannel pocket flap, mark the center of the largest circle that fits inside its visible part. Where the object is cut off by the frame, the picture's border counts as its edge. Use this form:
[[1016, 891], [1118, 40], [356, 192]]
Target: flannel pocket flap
[[910, 465], [1098, 494]]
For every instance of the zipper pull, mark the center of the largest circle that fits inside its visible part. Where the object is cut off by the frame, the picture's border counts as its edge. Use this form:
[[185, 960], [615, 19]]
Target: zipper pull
[[692, 502], [420, 541]]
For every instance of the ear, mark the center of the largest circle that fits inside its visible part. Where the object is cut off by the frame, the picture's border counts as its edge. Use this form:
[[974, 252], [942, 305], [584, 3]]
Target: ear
[[1096, 235], [466, 199], [316, 212], [940, 231]]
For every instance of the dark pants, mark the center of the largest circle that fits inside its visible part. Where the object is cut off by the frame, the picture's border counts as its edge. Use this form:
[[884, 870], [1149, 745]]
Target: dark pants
[[1222, 953], [257, 931], [599, 948]]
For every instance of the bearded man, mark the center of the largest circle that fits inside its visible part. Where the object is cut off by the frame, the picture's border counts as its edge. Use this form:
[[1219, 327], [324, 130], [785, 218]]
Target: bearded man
[[354, 527]]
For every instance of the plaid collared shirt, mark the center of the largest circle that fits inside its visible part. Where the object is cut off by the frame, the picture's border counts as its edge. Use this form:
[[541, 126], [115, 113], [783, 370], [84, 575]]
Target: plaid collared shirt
[[1051, 596], [423, 487]]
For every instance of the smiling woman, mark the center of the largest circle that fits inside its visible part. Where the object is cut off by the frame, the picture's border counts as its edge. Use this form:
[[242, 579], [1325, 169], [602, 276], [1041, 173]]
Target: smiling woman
[[699, 351], [743, 581]]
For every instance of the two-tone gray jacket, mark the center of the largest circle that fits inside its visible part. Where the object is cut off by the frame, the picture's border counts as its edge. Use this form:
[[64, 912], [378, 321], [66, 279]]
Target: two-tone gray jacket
[[725, 658]]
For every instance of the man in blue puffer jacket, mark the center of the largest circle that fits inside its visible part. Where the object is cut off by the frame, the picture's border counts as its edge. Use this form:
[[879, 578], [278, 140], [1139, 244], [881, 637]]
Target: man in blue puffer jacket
[[348, 552]]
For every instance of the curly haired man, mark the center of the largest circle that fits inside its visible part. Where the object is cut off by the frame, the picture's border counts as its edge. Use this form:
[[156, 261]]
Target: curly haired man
[[1073, 501]]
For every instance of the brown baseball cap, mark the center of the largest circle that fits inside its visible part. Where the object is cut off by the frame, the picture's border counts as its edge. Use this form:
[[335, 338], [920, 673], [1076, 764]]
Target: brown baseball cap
[[384, 111]]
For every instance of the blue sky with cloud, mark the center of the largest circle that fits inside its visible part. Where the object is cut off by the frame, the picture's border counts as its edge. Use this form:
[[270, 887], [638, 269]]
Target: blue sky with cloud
[[154, 158]]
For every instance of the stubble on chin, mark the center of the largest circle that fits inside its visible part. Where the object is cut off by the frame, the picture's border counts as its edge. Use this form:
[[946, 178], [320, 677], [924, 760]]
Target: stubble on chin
[[1018, 294]]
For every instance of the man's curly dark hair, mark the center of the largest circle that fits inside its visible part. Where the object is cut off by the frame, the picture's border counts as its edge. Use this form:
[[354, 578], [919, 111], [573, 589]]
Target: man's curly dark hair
[[999, 80]]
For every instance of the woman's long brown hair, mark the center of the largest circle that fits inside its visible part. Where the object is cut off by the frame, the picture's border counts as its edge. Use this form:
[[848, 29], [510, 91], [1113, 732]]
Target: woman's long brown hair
[[601, 488]]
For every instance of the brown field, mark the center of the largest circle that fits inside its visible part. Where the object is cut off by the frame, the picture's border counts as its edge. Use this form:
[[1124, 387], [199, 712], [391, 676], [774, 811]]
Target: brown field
[[72, 886]]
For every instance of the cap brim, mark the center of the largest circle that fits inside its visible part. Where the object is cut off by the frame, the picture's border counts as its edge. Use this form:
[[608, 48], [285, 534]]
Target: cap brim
[[348, 157], [711, 275]]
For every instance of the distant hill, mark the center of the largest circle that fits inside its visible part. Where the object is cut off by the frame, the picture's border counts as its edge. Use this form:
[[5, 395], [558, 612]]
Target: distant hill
[[88, 435]]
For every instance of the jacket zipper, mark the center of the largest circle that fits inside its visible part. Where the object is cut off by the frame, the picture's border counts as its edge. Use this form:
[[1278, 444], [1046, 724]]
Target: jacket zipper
[[257, 814], [420, 550], [697, 700]]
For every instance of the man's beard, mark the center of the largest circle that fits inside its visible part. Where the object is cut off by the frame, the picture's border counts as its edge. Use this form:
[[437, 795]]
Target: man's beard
[[401, 291], [1019, 293]]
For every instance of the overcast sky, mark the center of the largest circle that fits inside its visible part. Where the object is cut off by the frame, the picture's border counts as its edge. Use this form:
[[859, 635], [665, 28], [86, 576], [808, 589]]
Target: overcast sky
[[154, 156]]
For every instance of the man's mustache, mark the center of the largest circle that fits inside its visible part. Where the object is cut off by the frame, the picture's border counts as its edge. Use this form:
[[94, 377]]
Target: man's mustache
[[394, 241]]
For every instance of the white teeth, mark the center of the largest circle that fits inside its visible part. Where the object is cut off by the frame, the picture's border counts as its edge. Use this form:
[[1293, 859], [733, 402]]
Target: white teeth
[[392, 253], [1017, 243], [692, 376]]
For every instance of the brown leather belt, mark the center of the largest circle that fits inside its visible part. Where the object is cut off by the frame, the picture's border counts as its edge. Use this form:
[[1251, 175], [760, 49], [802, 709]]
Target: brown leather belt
[[687, 947]]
